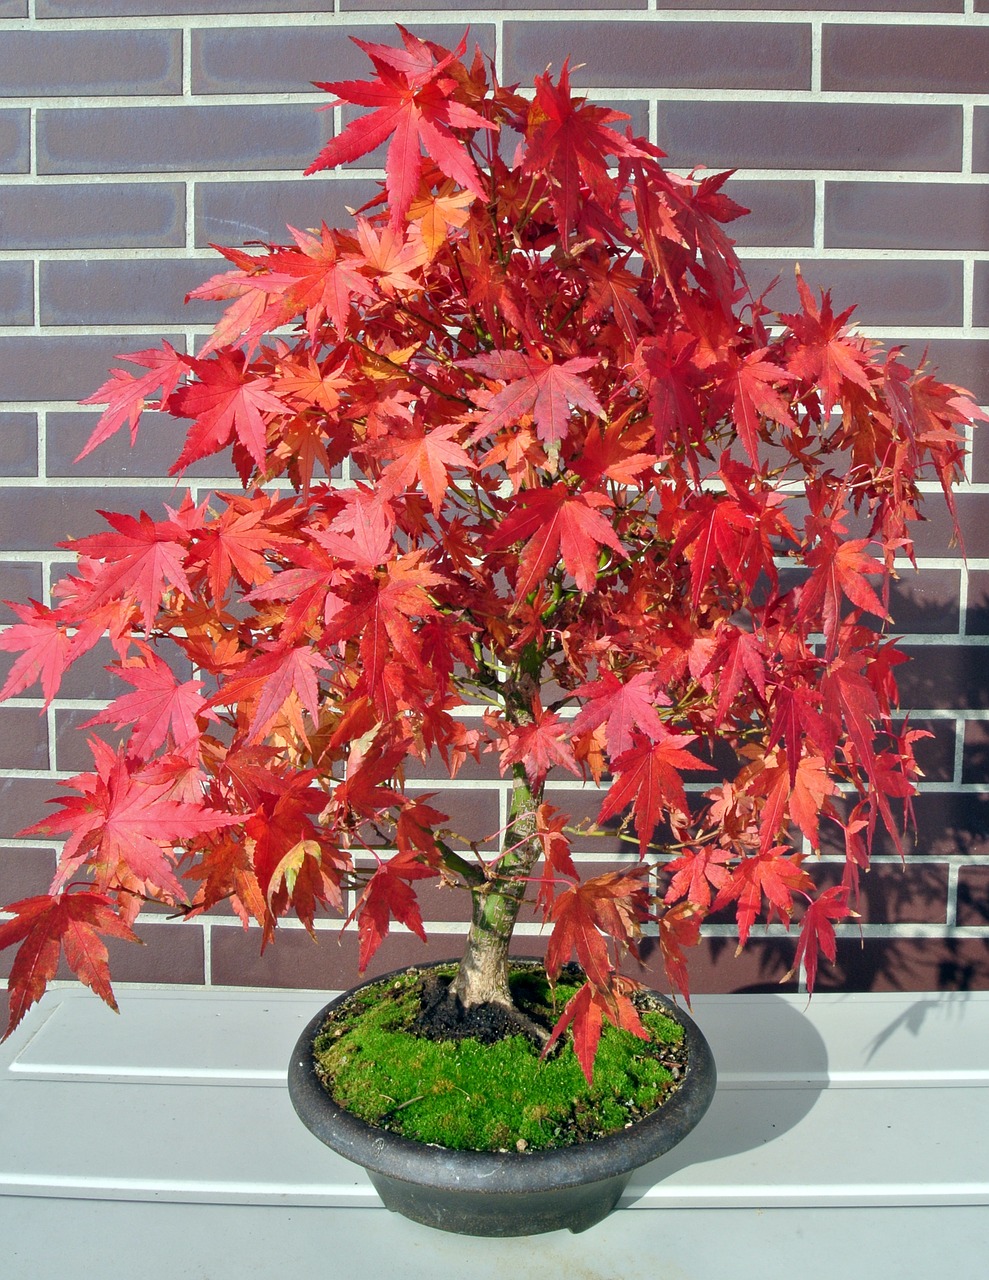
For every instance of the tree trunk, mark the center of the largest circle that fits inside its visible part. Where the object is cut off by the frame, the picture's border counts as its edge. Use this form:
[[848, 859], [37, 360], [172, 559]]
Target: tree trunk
[[482, 976]]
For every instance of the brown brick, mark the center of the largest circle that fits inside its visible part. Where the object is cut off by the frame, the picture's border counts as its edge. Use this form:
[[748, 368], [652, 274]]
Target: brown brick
[[884, 293], [891, 893], [801, 135], [975, 757], [714, 969], [906, 215], [20, 581], [944, 676], [701, 55], [90, 62], [122, 215], [159, 441], [16, 292], [980, 301], [908, 964], [977, 612], [781, 213], [905, 59], [980, 140], [33, 519], [72, 751], [23, 739], [63, 368], [18, 444], [289, 59], [23, 801], [167, 139], [15, 141], [238, 212], [163, 8], [973, 896], [926, 601], [25, 872], [110, 291]]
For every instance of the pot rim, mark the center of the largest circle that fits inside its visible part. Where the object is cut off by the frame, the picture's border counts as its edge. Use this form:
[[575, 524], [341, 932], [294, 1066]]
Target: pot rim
[[396, 1156]]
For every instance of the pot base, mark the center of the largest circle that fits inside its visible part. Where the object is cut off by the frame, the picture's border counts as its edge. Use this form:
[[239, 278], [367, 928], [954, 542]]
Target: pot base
[[501, 1213]]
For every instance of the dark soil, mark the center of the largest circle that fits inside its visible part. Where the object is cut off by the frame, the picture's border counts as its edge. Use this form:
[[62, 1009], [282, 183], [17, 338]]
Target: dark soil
[[444, 1017]]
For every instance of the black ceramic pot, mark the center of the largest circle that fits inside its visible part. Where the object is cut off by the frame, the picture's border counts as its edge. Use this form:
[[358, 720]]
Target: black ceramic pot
[[485, 1193]]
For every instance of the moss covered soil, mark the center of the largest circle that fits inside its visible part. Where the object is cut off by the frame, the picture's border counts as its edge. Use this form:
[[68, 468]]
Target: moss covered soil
[[466, 1095]]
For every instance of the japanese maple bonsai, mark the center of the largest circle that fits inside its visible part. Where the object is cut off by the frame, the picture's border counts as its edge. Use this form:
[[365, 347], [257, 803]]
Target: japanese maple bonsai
[[519, 440]]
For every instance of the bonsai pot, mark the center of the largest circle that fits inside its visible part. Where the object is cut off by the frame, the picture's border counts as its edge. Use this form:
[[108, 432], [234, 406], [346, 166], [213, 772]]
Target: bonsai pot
[[487, 1193]]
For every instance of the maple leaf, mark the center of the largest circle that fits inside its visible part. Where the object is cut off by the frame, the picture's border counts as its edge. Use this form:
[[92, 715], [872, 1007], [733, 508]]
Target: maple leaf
[[127, 395], [391, 254], [694, 873], [267, 683], [45, 926], [752, 382], [139, 560], [555, 523], [817, 930], [679, 927], [613, 904], [426, 456], [570, 141], [159, 706], [586, 1011], [389, 895], [740, 655], [413, 104], [772, 874], [824, 352], [620, 707], [122, 819], [45, 648], [435, 214], [228, 400], [535, 386], [839, 570], [649, 781], [538, 745]]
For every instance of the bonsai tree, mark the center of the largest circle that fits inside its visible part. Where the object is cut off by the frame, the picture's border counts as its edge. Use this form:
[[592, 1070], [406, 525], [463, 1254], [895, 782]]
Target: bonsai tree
[[520, 439]]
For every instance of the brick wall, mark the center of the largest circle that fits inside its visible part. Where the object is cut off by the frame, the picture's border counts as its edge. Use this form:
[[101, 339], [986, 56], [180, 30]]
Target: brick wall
[[134, 132]]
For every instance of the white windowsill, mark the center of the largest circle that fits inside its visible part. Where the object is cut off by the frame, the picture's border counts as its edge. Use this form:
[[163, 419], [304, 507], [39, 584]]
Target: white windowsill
[[855, 1122]]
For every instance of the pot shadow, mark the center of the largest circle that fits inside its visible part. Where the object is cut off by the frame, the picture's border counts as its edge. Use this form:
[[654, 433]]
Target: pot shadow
[[772, 1068]]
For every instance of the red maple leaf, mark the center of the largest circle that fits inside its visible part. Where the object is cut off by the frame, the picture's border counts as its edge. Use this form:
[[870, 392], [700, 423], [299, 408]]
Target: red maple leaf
[[817, 930], [45, 926], [127, 395], [535, 386], [771, 874], [414, 104], [620, 707], [228, 400], [612, 905], [122, 820], [43, 641], [139, 560], [388, 894], [554, 522], [586, 1011], [649, 782], [159, 706], [426, 456], [570, 142]]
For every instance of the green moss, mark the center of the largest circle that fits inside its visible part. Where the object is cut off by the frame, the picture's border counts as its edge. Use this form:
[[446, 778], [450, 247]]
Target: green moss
[[470, 1096]]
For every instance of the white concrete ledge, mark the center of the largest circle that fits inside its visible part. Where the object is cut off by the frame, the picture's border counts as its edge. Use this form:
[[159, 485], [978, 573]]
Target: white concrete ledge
[[852, 1108]]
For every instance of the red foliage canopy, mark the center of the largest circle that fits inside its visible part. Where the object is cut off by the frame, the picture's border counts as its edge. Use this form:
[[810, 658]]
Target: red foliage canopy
[[577, 455]]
